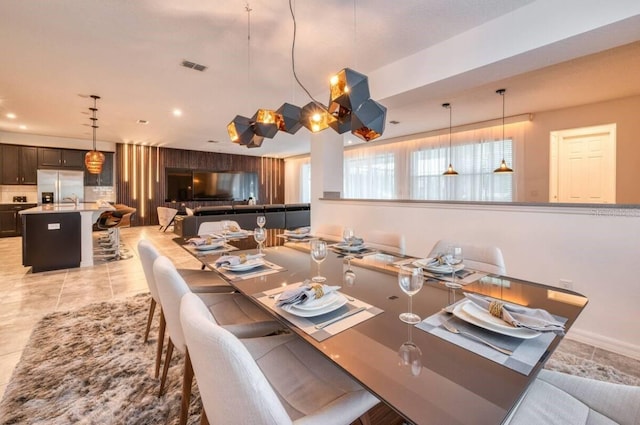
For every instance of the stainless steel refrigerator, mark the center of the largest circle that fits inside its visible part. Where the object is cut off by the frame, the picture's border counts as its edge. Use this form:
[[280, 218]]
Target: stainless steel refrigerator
[[63, 184]]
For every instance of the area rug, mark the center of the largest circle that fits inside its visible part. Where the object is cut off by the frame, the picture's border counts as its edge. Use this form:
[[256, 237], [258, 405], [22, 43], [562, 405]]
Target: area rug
[[91, 366]]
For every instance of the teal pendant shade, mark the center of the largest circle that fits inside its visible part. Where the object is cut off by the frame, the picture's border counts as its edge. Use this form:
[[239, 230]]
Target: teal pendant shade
[[288, 118], [367, 122]]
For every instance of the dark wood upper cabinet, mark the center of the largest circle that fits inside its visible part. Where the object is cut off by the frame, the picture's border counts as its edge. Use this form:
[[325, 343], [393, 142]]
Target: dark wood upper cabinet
[[19, 164], [71, 159]]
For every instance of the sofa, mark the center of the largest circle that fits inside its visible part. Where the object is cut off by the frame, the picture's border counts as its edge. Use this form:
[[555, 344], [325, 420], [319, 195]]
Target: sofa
[[279, 216]]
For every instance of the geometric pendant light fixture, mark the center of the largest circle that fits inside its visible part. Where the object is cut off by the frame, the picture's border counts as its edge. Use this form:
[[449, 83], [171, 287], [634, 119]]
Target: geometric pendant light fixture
[[503, 168], [450, 171], [94, 159]]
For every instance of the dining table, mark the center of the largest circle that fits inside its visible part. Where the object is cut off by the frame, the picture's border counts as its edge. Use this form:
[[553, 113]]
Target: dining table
[[446, 378]]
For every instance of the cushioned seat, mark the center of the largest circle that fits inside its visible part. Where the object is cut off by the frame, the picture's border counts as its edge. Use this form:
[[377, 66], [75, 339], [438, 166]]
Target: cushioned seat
[[556, 398], [274, 380]]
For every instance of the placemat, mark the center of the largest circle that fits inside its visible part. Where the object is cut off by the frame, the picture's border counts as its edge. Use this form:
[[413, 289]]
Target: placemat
[[306, 238], [355, 254], [526, 352], [201, 253], [267, 268], [308, 324]]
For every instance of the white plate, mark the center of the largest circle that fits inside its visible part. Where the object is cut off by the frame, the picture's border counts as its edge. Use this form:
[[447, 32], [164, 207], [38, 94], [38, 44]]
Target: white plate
[[297, 235], [213, 245], [443, 268], [318, 304], [238, 234], [350, 248], [471, 313], [423, 262], [250, 264], [339, 302]]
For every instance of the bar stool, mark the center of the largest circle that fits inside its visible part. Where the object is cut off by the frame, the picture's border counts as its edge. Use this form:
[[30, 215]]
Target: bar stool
[[112, 221]]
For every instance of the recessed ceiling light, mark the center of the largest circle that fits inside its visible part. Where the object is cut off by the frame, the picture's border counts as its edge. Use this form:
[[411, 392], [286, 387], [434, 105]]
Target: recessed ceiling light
[[22, 127], [11, 116], [144, 122], [349, 142], [177, 113]]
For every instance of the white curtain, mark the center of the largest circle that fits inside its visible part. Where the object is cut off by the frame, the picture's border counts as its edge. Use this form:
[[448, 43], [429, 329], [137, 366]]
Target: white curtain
[[297, 188]]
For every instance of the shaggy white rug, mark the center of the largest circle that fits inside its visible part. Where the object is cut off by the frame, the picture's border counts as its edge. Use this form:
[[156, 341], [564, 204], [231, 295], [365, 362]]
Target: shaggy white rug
[[91, 366]]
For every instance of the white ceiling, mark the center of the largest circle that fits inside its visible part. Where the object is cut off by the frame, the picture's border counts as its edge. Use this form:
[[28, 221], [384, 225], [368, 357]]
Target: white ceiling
[[57, 52]]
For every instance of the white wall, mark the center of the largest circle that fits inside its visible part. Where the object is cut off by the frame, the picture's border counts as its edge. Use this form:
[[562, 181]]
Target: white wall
[[597, 249]]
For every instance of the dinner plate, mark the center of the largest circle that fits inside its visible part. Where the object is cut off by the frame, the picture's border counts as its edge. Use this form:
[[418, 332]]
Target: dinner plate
[[350, 248], [339, 302], [212, 245], [441, 268], [473, 314], [320, 303], [297, 235], [248, 265], [237, 234]]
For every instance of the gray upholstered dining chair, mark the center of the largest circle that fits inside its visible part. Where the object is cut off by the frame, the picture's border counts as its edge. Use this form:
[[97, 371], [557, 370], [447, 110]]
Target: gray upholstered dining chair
[[483, 258], [233, 311], [275, 380], [556, 398], [198, 281]]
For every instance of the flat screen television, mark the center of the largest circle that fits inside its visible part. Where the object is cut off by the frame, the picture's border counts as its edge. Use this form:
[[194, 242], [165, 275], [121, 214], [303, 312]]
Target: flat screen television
[[202, 185]]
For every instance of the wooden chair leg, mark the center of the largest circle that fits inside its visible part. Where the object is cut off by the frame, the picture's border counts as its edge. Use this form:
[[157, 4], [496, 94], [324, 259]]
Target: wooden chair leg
[[187, 380], [165, 369], [152, 309], [365, 419], [203, 417], [161, 331]]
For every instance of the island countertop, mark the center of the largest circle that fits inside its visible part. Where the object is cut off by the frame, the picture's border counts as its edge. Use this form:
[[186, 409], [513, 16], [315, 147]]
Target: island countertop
[[67, 207]]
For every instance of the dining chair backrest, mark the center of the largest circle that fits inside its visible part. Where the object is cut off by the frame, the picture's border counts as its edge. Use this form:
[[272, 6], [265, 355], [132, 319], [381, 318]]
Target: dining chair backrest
[[237, 388], [209, 227], [332, 232], [148, 254], [171, 287], [482, 258], [390, 242], [188, 210]]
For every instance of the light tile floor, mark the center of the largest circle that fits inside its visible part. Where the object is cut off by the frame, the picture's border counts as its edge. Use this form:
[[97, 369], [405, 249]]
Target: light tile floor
[[26, 297]]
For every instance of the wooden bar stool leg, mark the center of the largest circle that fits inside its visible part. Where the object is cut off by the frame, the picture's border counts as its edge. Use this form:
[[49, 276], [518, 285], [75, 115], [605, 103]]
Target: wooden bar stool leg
[[161, 331], [165, 370], [187, 380], [152, 309]]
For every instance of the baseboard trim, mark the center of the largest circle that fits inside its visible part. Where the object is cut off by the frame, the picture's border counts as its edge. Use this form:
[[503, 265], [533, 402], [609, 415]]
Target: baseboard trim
[[605, 343]]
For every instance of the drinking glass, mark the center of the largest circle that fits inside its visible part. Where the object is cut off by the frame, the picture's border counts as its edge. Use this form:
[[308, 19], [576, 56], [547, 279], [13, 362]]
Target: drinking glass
[[349, 274], [318, 254], [260, 235], [261, 220], [225, 228], [410, 355], [453, 258], [410, 280], [347, 235]]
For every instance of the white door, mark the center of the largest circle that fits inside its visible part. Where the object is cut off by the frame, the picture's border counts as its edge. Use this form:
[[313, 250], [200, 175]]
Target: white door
[[583, 165]]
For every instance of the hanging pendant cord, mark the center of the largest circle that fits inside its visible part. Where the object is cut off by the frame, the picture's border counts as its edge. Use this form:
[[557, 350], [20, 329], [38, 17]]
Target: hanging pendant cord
[[293, 47]]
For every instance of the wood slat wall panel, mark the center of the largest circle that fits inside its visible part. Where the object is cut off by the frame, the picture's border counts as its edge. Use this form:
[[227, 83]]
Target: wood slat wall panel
[[134, 163]]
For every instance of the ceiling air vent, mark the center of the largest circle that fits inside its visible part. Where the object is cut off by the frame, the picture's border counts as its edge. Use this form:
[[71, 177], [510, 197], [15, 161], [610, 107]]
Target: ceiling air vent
[[193, 65]]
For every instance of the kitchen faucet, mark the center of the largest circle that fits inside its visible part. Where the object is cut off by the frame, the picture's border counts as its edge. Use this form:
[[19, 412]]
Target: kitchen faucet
[[73, 198]]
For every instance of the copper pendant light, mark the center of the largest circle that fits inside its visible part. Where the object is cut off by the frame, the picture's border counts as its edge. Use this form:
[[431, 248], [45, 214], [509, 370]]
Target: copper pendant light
[[450, 171], [503, 168], [94, 159]]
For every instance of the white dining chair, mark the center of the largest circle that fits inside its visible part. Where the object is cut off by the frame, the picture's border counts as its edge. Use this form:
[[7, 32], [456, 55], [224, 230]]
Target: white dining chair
[[211, 227], [276, 380], [330, 232], [556, 398], [233, 311], [482, 258], [389, 242], [198, 281]]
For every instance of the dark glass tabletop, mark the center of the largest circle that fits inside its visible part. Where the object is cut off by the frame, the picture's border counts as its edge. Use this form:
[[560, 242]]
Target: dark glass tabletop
[[454, 385]]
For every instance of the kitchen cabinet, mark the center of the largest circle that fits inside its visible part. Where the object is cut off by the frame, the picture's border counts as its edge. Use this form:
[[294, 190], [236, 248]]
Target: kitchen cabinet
[[71, 159], [105, 178], [19, 164], [10, 220]]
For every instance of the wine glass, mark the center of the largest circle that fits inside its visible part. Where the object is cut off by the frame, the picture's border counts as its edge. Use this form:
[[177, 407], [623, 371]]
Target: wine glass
[[349, 274], [410, 280], [347, 235], [225, 228], [260, 235], [453, 258], [261, 220], [318, 254], [411, 355]]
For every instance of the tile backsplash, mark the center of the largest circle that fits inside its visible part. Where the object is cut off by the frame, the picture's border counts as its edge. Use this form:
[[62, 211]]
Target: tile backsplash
[[7, 192]]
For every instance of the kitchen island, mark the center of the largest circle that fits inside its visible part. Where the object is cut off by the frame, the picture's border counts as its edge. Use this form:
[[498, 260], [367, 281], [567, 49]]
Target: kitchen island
[[57, 236]]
